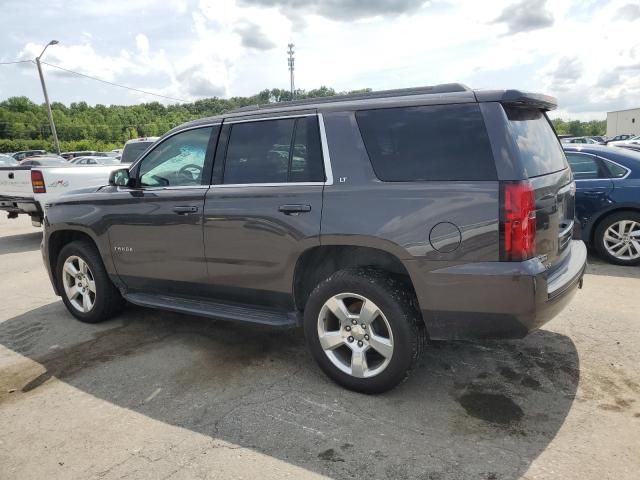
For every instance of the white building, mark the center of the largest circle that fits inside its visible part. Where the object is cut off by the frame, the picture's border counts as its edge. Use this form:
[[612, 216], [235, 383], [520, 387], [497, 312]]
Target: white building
[[623, 121]]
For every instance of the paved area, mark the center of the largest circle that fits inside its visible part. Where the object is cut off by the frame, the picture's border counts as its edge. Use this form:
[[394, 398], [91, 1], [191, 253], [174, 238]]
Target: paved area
[[160, 395]]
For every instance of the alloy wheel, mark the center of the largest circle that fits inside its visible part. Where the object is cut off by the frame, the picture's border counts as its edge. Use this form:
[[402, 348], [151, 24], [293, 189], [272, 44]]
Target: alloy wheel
[[622, 240], [355, 335], [79, 284]]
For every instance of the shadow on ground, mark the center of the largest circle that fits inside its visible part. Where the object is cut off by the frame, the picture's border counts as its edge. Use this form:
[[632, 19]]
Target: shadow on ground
[[482, 411], [597, 266], [25, 242]]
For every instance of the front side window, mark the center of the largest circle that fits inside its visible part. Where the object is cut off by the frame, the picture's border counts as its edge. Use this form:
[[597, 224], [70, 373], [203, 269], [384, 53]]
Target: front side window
[[178, 161], [442, 142], [274, 151]]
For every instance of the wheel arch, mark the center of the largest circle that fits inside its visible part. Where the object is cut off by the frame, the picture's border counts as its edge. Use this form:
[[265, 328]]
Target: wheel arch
[[57, 240], [318, 263]]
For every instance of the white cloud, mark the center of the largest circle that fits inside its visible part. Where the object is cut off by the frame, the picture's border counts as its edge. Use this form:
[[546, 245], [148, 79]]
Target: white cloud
[[580, 51]]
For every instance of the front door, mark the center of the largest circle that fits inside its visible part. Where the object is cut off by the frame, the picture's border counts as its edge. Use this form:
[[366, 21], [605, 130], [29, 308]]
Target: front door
[[264, 209], [155, 227]]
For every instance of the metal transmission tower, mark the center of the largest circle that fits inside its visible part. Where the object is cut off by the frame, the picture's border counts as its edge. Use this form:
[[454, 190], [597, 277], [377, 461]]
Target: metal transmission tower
[[291, 68]]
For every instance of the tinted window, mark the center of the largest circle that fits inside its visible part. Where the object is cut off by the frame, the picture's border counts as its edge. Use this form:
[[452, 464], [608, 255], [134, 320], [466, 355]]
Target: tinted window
[[306, 159], [178, 161], [443, 142], [615, 170], [539, 148], [132, 151], [268, 152], [585, 167]]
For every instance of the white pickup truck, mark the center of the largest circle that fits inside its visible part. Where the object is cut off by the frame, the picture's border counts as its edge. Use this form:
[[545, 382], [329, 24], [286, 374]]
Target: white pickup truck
[[26, 190]]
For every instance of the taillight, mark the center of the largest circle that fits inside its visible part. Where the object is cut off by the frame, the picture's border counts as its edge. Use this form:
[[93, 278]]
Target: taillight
[[518, 222], [37, 182]]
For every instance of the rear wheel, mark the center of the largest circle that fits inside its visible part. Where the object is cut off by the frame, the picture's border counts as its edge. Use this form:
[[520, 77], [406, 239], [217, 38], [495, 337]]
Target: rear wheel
[[617, 238], [363, 329], [86, 289]]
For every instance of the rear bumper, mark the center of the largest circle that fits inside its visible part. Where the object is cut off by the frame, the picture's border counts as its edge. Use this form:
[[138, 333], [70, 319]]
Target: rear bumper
[[20, 205], [499, 299]]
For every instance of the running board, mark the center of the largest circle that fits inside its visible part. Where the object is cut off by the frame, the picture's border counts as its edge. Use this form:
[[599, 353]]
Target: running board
[[220, 311]]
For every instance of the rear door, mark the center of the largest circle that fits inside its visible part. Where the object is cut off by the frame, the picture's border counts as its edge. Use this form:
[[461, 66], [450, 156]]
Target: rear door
[[155, 227], [264, 208], [593, 188], [548, 171]]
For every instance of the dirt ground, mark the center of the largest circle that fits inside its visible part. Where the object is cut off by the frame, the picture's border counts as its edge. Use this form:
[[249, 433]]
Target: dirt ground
[[160, 395]]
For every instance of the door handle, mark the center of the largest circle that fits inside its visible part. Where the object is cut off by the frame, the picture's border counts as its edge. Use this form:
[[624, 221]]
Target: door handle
[[294, 209], [185, 209]]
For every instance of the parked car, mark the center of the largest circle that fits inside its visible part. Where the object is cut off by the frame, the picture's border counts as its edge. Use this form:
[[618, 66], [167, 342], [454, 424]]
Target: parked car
[[26, 188], [43, 160], [28, 153], [634, 147], [582, 140], [599, 139], [136, 147], [608, 200], [629, 141], [7, 161], [95, 160], [72, 155], [624, 136], [363, 217]]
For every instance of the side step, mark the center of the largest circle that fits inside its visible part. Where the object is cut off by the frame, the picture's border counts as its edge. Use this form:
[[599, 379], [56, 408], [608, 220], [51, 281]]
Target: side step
[[220, 311]]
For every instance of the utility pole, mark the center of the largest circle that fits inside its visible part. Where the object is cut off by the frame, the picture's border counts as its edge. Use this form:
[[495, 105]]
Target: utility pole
[[291, 68], [46, 97]]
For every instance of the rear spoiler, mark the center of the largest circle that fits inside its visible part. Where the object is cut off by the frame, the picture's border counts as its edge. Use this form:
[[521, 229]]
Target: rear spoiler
[[517, 97]]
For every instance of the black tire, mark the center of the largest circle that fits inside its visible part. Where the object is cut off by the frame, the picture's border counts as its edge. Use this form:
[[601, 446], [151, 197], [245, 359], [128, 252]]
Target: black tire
[[107, 301], [599, 241], [399, 306]]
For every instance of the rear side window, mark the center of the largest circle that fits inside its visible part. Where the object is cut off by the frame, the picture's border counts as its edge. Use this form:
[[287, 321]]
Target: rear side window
[[274, 151], [585, 167], [441, 142], [540, 150]]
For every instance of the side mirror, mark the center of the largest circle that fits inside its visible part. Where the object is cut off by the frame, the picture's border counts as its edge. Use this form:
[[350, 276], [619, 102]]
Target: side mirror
[[119, 177]]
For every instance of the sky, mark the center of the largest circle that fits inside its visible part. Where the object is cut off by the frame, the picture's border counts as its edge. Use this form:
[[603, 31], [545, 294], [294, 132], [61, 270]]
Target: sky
[[584, 52]]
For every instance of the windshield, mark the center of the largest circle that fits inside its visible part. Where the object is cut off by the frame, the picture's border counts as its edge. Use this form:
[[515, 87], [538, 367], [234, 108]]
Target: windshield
[[132, 151], [540, 150]]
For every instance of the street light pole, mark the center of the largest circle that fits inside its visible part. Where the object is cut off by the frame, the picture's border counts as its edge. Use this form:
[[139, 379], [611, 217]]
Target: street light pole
[[46, 97]]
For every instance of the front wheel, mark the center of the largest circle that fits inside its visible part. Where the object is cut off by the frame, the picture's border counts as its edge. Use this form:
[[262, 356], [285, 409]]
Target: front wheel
[[86, 289], [363, 329], [617, 238]]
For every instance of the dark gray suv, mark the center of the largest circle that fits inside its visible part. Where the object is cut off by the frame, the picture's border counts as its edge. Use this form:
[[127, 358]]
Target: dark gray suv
[[376, 220]]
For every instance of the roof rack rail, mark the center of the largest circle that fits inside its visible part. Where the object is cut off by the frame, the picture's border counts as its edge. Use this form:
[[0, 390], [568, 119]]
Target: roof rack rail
[[433, 89]]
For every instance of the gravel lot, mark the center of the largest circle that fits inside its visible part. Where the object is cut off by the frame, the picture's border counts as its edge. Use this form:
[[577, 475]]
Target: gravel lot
[[160, 395]]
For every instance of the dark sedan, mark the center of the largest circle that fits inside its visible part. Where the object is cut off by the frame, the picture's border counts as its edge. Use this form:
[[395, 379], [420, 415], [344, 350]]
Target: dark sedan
[[608, 200]]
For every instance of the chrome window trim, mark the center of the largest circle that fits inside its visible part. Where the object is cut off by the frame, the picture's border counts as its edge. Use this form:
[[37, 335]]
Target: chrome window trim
[[262, 119], [280, 184], [603, 159], [328, 172]]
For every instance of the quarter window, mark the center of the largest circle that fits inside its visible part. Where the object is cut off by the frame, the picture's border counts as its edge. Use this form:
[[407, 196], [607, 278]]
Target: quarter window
[[178, 161], [443, 142], [274, 151], [615, 170]]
